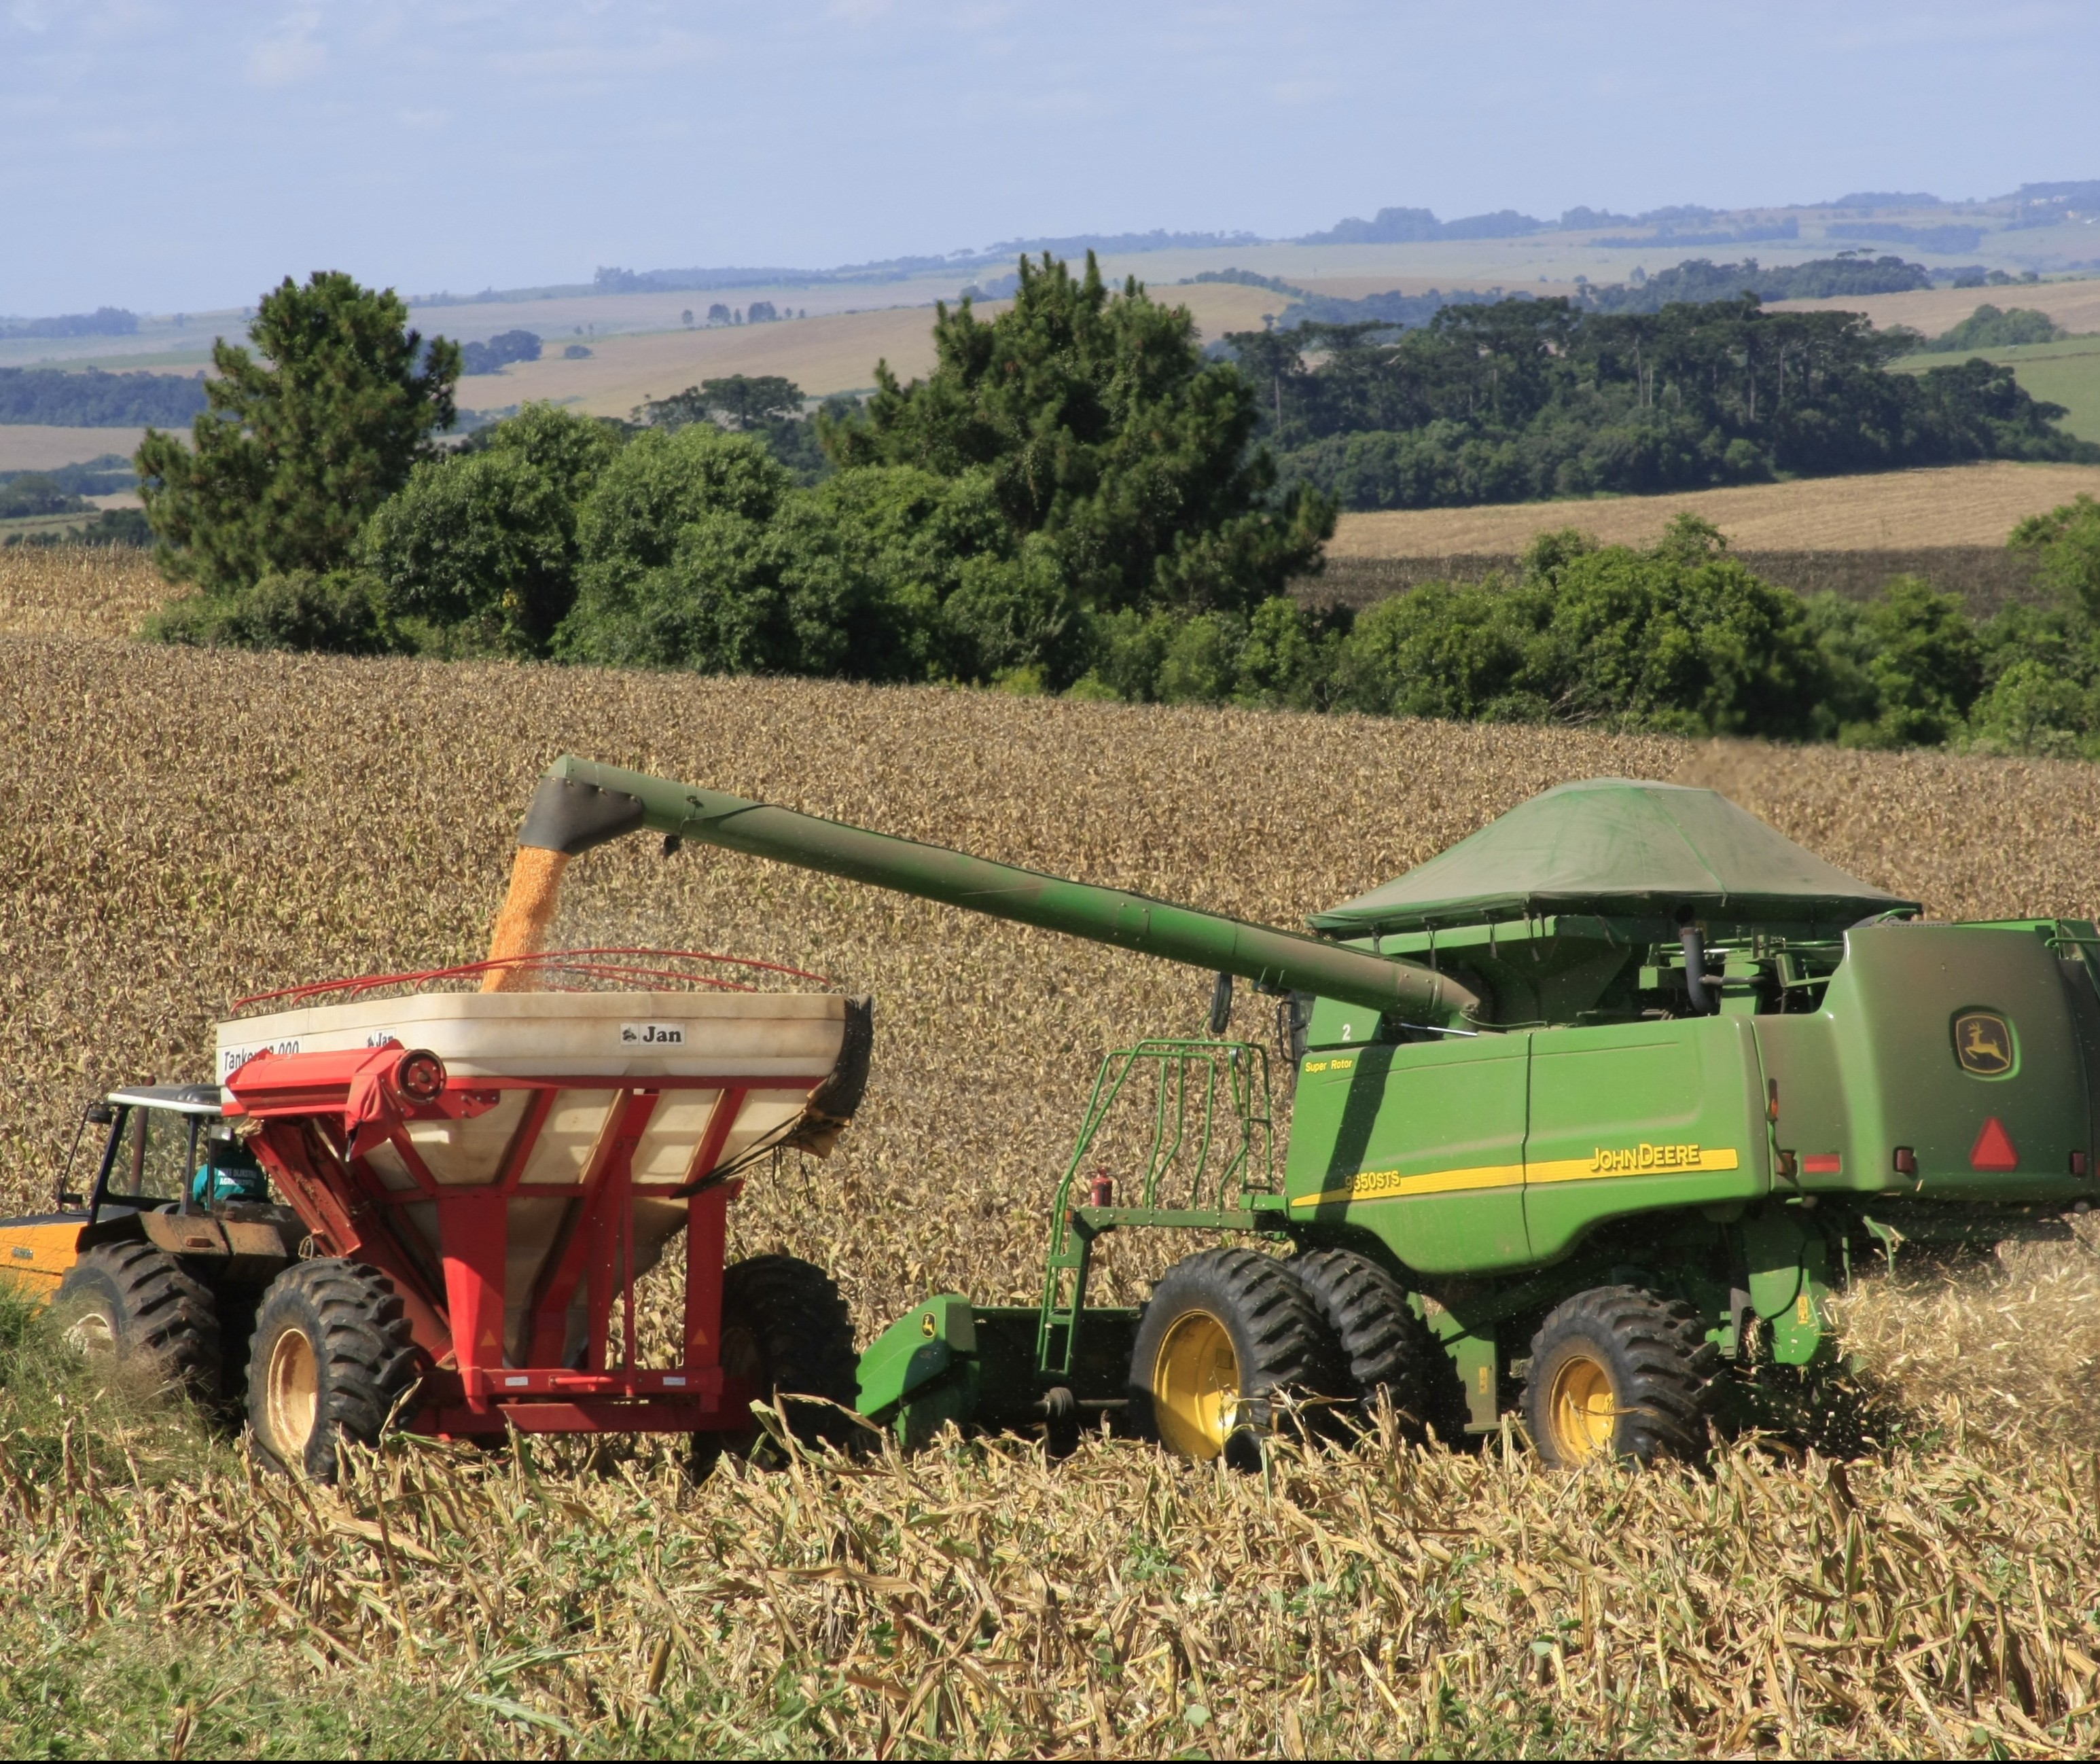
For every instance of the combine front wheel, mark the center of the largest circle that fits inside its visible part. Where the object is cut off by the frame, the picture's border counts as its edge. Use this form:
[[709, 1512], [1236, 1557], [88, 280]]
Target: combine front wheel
[[1392, 1355], [134, 1302], [1618, 1372], [1226, 1334], [331, 1356]]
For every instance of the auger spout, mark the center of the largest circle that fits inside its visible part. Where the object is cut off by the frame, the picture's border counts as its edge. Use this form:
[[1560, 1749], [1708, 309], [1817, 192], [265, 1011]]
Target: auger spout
[[580, 804]]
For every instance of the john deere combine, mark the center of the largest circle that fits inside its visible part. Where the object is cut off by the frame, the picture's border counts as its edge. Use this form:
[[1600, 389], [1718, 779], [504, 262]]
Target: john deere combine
[[1603, 1099]]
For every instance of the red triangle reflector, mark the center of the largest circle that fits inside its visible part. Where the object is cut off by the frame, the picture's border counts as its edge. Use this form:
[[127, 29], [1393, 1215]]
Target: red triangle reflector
[[1993, 1149]]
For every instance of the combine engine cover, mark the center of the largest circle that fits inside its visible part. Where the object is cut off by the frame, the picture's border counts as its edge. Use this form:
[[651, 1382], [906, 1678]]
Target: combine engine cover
[[1948, 1062]]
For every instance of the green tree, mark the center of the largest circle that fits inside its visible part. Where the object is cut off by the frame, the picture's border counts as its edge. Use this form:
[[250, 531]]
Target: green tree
[[303, 438], [736, 401], [487, 539], [2034, 709], [1987, 328], [1102, 427], [1924, 662], [695, 499], [1679, 637], [2068, 539]]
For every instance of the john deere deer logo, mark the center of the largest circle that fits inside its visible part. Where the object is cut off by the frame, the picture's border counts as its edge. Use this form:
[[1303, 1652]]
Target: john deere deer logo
[[1983, 1043]]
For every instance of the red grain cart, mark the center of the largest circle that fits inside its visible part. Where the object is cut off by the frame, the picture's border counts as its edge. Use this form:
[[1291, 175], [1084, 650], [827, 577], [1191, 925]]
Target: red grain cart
[[470, 1186]]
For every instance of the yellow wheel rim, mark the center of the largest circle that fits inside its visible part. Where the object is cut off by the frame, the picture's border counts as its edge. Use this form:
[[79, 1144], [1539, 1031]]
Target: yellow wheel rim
[[292, 1395], [1196, 1386], [1582, 1409]]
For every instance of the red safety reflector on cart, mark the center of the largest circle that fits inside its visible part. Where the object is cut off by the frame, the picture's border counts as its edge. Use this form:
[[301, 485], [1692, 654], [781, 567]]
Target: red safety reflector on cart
[[1993, 1149], [1823, 1163]]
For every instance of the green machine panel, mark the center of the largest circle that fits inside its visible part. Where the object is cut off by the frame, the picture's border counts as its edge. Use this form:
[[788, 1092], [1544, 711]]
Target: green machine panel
[[1812, 1127], [1422, 1143], [1632, 1117], [1959, 1047]]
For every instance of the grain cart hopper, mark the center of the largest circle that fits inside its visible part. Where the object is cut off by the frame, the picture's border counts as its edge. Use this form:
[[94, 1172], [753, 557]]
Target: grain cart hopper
[[1594, 1106], [476, 1181]]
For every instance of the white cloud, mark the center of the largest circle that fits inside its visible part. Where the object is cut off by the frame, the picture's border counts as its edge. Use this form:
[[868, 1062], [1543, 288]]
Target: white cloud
[[290, 56]]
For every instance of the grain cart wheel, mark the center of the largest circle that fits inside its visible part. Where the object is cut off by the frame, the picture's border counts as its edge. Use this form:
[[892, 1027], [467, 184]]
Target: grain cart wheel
[[1389, 1352], [331, 1356], [135, 1302], [1619, 1371], [1223, 1333], [786, 1329]]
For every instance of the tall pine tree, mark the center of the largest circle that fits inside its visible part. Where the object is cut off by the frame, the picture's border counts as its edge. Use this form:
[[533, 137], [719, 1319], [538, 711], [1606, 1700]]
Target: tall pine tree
[[299, 446]]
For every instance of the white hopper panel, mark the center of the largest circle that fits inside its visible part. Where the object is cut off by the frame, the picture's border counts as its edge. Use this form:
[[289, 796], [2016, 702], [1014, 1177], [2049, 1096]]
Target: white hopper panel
[[784, 1036]]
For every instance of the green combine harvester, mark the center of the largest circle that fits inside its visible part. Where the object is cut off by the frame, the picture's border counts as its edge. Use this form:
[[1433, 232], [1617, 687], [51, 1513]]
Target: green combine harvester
[[1592, 1113]]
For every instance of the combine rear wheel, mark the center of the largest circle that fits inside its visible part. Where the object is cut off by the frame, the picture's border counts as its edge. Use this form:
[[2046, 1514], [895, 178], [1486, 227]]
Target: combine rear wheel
[[331, 1356], [1226, 1335], [134, 1302], [1391, 1355], [786, 1330], [1619, 1372]]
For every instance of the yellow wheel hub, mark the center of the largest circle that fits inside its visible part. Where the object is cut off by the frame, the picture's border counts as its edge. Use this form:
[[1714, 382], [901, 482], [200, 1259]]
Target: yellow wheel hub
[[1196, 1386], [292, 1386], [1582, 1409]]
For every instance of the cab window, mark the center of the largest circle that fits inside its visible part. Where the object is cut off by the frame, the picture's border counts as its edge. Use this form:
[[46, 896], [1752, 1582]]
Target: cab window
[[154, 1156]]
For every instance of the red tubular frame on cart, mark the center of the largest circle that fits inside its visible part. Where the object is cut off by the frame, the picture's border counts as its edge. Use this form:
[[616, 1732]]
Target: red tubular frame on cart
[[319, 1114]]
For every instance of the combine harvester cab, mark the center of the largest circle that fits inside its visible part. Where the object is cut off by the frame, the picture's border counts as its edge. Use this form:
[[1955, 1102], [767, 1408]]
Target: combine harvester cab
[[1592, 1113]]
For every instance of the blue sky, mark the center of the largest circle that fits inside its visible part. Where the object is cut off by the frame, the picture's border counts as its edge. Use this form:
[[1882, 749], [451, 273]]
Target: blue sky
[[161, 157]]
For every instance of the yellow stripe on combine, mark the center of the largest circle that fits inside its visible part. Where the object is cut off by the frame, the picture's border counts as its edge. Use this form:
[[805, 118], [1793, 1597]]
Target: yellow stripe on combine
[[1642, 1160]]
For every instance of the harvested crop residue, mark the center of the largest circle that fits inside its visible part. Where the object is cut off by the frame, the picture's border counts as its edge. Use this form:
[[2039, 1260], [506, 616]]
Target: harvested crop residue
[[179, 827]]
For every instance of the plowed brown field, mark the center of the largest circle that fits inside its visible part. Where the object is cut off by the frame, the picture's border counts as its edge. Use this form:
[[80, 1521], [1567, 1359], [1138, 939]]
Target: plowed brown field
[[179, 828]]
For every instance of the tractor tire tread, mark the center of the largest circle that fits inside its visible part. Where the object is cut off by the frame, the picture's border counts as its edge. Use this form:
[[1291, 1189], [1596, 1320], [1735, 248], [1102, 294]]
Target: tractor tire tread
[[806, 1336], [366, 1345], [1662, 1342], [1291, 1351], [1390, 1354], [170, 1317]]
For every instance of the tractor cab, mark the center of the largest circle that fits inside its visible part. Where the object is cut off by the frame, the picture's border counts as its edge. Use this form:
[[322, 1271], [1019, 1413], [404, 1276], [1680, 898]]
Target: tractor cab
[[141, 1148], [158, 1164]]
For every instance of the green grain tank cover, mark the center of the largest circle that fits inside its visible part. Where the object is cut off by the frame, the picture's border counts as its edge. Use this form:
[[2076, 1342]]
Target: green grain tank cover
[[1622, 848]]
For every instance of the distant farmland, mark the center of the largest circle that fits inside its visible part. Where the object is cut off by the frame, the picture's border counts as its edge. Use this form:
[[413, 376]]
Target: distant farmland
[[836, 353], [1851, 535], [2074, 304], [1943, 506]]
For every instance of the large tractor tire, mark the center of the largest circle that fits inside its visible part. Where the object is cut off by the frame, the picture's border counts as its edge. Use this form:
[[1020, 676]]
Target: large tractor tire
[[136, 1303], [1227, 1338], [1391, 1356], [331, 1356], [1616, 1372], [786, 1329]]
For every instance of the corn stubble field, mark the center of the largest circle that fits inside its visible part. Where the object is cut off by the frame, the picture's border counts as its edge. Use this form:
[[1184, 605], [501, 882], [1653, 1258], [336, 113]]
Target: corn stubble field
[[176, 828]]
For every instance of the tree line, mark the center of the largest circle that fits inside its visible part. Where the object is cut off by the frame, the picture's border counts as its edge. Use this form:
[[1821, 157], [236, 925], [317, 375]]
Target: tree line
[[1527, 399], [1075, 499], [1072, 465], [94, 399], [1679, 637]]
